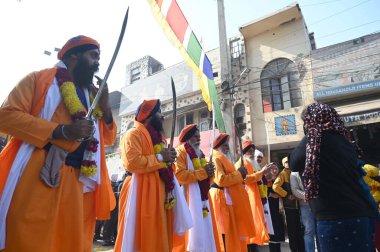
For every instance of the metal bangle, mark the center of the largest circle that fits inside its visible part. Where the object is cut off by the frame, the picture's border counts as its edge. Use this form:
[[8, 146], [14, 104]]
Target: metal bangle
[[63, 132]]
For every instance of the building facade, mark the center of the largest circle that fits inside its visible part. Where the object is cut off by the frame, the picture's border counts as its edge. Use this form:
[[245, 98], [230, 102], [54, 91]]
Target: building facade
[[347, 76], [279, 84], [276, 71], [156, 85]]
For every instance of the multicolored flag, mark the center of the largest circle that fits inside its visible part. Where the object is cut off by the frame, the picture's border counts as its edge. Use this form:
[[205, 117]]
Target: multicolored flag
[[177, 29]]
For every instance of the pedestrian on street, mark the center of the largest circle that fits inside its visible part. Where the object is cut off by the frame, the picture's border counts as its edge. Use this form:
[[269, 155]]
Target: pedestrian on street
[[54, 181], [344, 211]]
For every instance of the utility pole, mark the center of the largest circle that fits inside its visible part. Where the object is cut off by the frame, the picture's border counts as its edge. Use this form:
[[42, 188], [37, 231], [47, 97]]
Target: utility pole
[[225, 68]]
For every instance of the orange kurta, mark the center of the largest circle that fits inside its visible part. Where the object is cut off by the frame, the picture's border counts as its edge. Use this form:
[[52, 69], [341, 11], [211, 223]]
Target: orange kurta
[[41, 218], [235, 221], [186, 177], [153, 222], [252, 188]]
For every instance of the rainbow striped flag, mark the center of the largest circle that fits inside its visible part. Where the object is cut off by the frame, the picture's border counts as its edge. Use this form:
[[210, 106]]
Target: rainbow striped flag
[[177, 29]]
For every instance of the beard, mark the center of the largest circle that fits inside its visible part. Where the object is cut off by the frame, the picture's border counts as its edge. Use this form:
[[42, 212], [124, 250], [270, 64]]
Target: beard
[[197, 149], [254, 164], [156, 123], [84, 73]]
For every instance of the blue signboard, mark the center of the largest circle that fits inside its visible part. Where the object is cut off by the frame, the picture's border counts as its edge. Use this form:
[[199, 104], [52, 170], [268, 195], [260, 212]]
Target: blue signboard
[[347, 89], [285, 125]]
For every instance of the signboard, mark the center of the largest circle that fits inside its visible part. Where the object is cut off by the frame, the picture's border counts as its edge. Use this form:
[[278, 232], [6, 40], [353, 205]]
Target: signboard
[[285, 125], [157, 86], [347, 89], [362, 117]]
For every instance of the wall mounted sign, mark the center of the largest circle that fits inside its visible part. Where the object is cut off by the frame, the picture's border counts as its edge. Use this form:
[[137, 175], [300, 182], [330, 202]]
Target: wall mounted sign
[[347, 89], [361, 117], [285, 125]]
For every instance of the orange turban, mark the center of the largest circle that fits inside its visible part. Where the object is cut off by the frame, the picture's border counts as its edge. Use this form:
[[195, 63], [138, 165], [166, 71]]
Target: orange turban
[[187, 132], [221, 139], [78, 44], [146, 109], [247, 145]]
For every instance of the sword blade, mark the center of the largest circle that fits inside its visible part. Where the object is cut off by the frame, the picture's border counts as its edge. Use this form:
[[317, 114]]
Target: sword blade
[[104, 81], [213, 131], [174, 114]]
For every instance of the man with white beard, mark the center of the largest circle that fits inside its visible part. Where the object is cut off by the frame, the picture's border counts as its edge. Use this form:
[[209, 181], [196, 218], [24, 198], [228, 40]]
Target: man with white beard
[[230, 200], [194, 172], [255, 179]]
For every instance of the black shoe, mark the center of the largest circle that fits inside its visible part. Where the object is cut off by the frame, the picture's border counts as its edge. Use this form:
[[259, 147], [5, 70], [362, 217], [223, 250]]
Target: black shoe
[[97, 237], [108, 243]]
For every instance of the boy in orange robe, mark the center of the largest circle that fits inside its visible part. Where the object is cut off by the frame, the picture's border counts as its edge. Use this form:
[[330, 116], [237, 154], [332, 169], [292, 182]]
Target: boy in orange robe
[[230, 200], [55, 212], [145, 224], [194, 173]]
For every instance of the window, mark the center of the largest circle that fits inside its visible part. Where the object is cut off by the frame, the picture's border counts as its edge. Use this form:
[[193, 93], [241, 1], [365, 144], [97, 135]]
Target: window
[[239, 113], [204, 120], [130, 125], [235, 48], [135, 74], [184, 120], [280, 85]]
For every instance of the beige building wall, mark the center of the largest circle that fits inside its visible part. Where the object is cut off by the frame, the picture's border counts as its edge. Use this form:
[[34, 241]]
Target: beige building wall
[[288, 38]]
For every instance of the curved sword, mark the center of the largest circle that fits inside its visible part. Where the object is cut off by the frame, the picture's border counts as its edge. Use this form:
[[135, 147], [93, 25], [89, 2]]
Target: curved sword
[[104, 81], [174, 114]]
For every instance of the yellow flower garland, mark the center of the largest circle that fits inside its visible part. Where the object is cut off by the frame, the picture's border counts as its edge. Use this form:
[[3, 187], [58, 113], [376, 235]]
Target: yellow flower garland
[[75, 107]]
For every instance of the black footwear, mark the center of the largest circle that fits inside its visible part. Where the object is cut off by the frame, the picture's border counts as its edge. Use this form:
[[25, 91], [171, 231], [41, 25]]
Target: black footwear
[[108, 243]]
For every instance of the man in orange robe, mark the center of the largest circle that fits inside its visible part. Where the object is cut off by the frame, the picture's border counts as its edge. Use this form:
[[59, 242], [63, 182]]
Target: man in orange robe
[[194, 173], [145, 223], [252, 182], [56, 210], [230, 200]]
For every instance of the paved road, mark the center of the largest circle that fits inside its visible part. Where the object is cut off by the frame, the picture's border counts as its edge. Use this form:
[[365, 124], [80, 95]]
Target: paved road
[[99, 247]]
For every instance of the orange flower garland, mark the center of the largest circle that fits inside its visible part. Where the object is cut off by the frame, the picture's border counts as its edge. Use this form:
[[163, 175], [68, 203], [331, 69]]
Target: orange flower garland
[[77, 112]]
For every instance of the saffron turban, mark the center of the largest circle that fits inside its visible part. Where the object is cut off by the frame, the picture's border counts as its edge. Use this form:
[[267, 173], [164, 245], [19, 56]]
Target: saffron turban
[[221, 139], [247, 145], [187, 132], [146, 109], [76, 45]]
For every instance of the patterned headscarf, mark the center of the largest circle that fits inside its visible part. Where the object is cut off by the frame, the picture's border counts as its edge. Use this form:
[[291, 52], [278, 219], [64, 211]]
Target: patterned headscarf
[[318, 118]]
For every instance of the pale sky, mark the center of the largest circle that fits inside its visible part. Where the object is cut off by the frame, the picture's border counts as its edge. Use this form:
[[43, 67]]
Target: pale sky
[[28, 27]]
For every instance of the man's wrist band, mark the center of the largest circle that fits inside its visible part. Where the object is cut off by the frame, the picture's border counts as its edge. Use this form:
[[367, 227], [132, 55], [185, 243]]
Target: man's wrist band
[[63, 132]]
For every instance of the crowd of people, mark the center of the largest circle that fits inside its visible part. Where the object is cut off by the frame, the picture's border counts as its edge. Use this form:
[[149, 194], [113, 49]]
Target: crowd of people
[[55, 193]]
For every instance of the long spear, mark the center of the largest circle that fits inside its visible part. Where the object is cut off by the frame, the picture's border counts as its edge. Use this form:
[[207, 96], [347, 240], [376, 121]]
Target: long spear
[[104, 80]]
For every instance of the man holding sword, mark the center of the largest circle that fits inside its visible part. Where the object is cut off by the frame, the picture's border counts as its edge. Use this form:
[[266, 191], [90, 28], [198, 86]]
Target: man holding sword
[[54, 181]]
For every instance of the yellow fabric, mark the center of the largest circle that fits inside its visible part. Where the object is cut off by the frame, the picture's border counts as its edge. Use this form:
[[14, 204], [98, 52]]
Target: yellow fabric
[[43, 217], [282, 178], [182, 173], [236, 220], [154, 230], [261, 236], [372, 171]]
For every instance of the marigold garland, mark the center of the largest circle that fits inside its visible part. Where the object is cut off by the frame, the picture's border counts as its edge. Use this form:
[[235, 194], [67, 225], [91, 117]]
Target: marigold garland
[[77, 112], [204, 185], [166, 173]]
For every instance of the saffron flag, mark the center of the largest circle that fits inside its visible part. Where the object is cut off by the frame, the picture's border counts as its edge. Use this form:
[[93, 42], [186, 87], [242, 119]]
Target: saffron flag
[[177, 29]]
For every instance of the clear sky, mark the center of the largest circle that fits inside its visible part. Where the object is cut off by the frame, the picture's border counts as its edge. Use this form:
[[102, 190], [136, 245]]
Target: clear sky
[[29, 27]]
